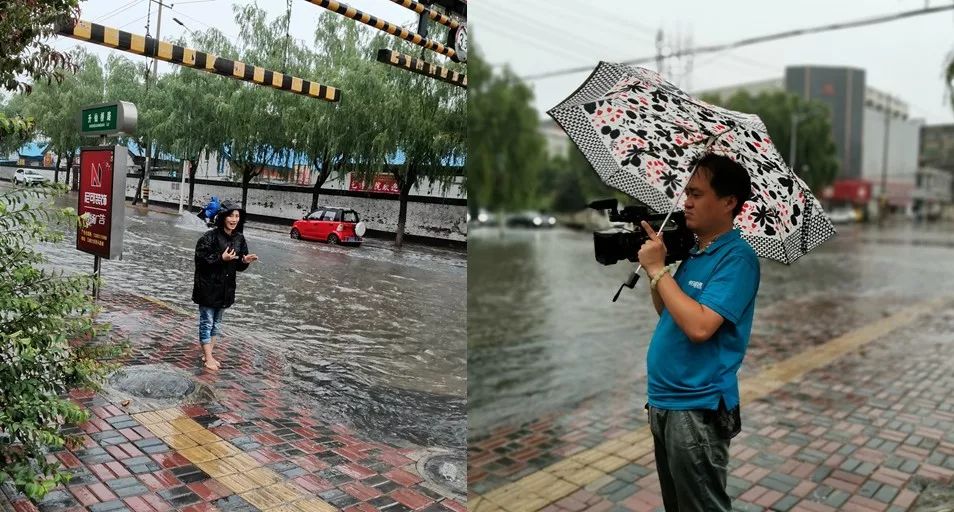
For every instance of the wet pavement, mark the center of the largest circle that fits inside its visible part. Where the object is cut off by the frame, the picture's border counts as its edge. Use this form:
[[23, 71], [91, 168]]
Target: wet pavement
[[568, 371], [372, 336], [250, 442]]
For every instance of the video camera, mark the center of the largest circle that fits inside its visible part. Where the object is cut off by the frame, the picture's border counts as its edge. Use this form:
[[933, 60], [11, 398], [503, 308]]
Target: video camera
[[620, 243]]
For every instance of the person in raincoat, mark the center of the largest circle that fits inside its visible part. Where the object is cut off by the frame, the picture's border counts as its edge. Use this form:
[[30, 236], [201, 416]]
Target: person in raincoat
[[706, 309], [208, 213], [219, 254]]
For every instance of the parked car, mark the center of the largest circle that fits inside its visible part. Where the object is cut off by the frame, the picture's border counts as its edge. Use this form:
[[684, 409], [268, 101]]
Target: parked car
[[484, 218], [28, 177], [843, 215], [332, 225], [531, 219]]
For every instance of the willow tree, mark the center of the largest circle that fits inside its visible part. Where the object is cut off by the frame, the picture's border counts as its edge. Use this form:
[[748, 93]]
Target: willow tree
[[423, 118], [55, 107]]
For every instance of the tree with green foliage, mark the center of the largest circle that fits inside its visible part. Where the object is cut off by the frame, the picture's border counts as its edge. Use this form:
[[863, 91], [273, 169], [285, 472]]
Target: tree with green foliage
[[41, 312], [815, 156], [571, 183], [15, 130], [26, 56], [335, 136], [126, 81], [505, 149], [192, 103], [422, 117], [253, 116], [55, 107]]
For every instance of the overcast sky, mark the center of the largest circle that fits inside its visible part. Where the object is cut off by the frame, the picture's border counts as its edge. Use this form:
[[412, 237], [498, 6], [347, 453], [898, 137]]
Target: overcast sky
[[904, 58], [198, 15]]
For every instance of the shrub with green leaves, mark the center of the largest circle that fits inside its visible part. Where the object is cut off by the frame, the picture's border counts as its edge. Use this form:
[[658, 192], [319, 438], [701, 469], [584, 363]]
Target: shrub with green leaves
[[41, 311]]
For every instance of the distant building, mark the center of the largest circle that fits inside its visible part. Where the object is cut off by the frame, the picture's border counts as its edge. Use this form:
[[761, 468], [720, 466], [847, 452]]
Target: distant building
[[558, 144], [937, 146], [860, 116], [35, 154]]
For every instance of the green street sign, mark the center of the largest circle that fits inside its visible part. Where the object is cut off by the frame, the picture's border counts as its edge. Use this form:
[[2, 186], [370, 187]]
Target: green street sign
[[109, 118]]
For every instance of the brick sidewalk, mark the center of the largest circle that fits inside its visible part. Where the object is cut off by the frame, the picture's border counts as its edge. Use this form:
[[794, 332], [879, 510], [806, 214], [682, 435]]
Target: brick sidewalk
[[257, 447], [863, 422]]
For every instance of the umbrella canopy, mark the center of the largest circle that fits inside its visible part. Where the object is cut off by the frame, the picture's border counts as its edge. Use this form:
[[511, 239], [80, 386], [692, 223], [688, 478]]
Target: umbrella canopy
[[642, 134]]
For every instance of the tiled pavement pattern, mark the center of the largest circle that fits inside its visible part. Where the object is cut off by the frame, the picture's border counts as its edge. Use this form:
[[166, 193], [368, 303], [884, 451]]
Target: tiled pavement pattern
[[512, 452], [257, 447], [862, 422]]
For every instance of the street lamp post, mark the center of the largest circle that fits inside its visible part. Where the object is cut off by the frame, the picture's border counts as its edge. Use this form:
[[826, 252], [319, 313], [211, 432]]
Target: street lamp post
[[796, 118], [883, 203], [182, 171]]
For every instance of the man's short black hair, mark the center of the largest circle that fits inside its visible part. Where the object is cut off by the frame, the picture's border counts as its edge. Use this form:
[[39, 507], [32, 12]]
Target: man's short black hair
[[727, 178]]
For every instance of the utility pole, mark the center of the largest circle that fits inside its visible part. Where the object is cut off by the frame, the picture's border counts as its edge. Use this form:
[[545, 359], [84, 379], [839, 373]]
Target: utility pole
[[883, 201], [659, 51], [148, 150]]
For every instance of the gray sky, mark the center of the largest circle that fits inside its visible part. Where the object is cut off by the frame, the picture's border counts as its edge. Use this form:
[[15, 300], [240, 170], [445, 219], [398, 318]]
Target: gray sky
[[904, 58], [198, 15]]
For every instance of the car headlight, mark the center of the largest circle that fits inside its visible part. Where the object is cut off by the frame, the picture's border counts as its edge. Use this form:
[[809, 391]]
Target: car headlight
[[537, 221], [483, 217], [552, 221]]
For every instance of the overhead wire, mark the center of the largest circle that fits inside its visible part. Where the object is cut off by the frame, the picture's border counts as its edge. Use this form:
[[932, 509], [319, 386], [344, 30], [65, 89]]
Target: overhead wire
[[758, 39], [118, 10]]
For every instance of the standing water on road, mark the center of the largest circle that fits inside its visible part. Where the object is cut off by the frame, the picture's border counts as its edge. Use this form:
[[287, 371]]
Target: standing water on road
[[543, 334], [375, 336]]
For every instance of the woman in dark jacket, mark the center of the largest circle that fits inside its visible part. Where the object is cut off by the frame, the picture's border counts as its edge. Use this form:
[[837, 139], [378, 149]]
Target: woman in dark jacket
[[219, 254]]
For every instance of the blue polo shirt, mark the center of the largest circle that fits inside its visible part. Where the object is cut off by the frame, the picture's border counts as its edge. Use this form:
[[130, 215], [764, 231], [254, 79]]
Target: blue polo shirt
[[684, 375]]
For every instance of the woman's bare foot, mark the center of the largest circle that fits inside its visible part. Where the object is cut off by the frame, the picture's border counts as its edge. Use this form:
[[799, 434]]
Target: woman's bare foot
[[207, 358]]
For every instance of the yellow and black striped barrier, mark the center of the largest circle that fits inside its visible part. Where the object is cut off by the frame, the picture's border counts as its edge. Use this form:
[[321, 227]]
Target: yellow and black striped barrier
[[420, 8], [421, 67], [195, 59], [386, 26]]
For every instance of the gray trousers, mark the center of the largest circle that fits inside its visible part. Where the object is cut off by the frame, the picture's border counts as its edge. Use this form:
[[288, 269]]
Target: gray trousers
[[692, 461]]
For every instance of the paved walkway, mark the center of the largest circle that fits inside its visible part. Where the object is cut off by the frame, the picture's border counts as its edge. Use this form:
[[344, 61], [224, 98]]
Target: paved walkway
[[255, 447], [863, 421]]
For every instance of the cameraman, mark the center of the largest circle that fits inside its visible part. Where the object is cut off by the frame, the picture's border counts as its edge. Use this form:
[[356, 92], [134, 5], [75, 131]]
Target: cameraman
[[705, 319]]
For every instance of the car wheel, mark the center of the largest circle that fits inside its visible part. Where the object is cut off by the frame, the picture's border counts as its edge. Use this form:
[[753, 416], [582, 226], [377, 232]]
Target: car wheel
[[295, 234], [333, 239]]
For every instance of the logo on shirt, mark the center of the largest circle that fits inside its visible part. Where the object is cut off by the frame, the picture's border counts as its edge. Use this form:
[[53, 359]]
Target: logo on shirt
[[696, 284]]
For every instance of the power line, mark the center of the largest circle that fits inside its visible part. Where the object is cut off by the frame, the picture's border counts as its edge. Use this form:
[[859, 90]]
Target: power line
[[527, 22], [133, 21], [541, 44], [230, 37], [758, 39], [118, 10], [644, 32]]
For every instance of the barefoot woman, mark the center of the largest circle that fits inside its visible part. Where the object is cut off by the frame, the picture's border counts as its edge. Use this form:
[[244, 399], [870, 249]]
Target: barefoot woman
[[219, 254]]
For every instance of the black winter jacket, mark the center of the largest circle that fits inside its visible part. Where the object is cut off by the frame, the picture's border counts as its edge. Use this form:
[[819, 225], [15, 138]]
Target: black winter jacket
[[214, 284]]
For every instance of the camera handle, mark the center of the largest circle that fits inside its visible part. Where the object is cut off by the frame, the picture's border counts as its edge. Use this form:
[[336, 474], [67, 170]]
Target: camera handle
[[629, 283]]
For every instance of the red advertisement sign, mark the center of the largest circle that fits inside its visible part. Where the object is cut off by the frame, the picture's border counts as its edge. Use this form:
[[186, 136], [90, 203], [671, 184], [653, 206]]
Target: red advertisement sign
[[96, 200], [383, 183]]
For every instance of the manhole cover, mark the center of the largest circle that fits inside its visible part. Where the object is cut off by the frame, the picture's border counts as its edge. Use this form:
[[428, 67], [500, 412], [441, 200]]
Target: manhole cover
[[153, 383], [148, 387], [445, 471]]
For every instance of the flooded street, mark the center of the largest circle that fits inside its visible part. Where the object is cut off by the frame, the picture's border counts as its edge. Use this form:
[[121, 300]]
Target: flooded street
[[544, 335], [374, 336]]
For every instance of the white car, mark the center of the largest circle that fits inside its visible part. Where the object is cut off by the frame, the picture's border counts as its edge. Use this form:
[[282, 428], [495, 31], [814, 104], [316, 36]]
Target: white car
[[28, 177]]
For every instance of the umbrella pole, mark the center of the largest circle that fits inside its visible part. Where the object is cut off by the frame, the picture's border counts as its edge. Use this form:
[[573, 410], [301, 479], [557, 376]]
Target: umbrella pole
[[634, 277]]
